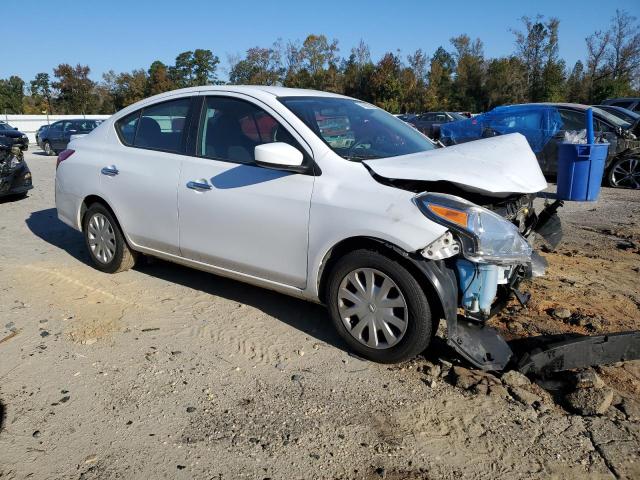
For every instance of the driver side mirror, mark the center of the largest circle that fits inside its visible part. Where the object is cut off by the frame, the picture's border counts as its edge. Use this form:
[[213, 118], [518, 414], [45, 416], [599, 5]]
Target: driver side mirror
[[15, 128], [280, 156]]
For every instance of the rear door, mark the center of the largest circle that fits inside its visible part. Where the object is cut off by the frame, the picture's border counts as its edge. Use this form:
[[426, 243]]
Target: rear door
[[140, 175], [234, 214]]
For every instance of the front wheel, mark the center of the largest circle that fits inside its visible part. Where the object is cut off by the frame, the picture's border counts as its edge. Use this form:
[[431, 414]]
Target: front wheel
[[625, 173], [378, 307], [105, 242]]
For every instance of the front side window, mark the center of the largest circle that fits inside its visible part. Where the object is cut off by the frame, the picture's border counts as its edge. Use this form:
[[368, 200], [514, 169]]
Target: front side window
[[356, 130], [572, 120], [230, 129]]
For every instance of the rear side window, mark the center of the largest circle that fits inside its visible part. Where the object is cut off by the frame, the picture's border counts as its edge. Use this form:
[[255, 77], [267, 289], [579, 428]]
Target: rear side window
[[161, 126], [157, 127]]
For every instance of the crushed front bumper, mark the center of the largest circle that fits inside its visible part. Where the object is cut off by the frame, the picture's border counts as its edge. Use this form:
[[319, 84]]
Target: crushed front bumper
[[15, 181]]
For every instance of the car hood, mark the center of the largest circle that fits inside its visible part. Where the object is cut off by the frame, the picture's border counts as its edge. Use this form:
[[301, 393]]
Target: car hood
[[11, 133], [499, 166]]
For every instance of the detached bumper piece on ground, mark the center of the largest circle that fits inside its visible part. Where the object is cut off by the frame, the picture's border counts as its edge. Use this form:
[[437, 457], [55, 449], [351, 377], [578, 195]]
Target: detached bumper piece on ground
[[485, 348], [15, 176]]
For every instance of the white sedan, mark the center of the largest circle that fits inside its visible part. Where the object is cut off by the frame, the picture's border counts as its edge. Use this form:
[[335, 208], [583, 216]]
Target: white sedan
[[315, 195]]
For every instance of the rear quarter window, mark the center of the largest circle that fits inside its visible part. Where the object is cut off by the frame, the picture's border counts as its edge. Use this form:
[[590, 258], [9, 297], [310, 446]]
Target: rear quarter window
[[126, 128]]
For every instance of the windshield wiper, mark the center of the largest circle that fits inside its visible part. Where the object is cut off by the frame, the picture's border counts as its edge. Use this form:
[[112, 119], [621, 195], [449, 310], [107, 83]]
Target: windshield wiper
[[361, 157]]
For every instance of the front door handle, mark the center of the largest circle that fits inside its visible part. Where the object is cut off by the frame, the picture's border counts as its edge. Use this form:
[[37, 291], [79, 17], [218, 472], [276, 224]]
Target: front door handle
[[198, 186], [111, 171]]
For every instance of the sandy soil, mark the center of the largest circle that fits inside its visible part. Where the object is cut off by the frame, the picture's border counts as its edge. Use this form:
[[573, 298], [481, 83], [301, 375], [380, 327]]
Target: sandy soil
[[166, 372]]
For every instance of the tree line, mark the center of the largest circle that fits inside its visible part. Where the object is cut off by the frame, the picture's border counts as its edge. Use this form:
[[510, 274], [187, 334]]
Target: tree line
[[458, 77]]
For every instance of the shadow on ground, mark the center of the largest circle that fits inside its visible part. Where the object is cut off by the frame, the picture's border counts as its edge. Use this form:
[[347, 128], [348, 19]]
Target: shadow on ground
[[3, 414], [46, 225], [307, 317]]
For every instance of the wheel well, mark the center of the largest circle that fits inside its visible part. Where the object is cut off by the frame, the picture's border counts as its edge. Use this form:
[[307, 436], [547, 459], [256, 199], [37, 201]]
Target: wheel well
[[92, 199], [390, 251]]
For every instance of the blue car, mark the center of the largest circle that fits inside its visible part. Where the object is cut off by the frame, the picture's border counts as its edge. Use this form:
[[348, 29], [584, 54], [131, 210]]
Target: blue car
[[544, 126]]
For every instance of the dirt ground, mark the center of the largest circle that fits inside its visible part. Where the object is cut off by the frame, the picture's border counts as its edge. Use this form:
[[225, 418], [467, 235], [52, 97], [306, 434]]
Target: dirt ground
[[167, 372]]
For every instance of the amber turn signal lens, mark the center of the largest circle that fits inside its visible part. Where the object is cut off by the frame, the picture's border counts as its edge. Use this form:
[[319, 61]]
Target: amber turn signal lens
[[450, 214]]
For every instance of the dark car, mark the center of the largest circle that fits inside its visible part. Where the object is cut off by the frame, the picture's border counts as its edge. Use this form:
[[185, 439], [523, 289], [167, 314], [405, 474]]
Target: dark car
[[623, 113], [15, 177], [544, 126], [429, 122], [630, 103], [14, 136], [55, 138], [39, 134], [407, 117]]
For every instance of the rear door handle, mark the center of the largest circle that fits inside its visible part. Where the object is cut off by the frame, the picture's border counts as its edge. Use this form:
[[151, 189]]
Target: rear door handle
[[110, 171], [198, 186]]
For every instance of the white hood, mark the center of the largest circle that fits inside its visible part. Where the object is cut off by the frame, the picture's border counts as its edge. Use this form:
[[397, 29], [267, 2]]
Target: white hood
[[498, 165]]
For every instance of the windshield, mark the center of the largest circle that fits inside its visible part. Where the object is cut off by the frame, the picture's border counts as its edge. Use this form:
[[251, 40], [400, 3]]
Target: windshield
[[623, 113], [457, 116], [616, 121], [357, 130], [5, 126]]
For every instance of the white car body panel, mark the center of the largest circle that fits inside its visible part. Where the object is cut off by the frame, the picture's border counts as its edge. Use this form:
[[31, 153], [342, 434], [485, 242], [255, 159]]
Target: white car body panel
[[499, 165], [264, 226], [253, 220]]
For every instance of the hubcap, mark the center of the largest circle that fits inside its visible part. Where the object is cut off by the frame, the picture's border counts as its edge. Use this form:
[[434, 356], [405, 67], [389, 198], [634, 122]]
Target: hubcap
[[626, 173], [102, 239], [47, 148], [372, 308]]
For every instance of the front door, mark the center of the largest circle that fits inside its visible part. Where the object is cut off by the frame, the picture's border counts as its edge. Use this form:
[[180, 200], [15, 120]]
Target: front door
[[234, 214]]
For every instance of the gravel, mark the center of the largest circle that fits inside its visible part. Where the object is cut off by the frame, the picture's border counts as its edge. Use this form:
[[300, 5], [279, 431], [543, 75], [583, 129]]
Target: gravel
[[113, 342]]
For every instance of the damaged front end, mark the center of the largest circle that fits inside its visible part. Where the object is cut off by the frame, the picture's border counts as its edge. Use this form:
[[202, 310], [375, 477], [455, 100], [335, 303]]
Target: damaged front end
[[15, 177], [489, 254]]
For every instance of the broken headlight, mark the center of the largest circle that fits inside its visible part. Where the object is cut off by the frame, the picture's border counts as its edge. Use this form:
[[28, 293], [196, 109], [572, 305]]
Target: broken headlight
[[16, 157], [485, 236]]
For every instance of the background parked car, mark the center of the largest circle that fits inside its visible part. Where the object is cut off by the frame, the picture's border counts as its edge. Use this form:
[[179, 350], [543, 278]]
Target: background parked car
[[544, 125], [55, 138], [14, 135], [406, 117], [623, 113], [429, 122], [40, 132], [630, 103], [15, 177]]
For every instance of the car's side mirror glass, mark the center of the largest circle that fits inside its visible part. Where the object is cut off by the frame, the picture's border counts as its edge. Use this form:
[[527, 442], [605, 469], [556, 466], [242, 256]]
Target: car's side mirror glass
[[279, 155]]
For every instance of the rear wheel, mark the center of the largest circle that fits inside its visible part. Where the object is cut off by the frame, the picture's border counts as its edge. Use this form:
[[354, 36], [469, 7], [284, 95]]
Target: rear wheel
[[625, 173], [105, 242], [46, 146], [378, 307]]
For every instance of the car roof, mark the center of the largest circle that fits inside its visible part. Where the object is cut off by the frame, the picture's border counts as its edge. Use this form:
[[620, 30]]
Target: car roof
[[257, 91], [577, 106], [272, 90]]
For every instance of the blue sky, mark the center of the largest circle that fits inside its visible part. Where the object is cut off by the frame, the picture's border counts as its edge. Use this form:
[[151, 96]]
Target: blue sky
[[123, 35]]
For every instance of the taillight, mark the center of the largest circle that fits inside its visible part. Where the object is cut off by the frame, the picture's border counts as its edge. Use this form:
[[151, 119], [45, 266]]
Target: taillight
[[63, 156]]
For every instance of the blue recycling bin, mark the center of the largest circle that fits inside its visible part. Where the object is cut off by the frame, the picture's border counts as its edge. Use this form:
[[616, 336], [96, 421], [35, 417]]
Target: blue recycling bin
[[580, 171]]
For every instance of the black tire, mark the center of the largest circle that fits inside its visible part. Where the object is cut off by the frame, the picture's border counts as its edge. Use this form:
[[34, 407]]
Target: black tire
[[419, 329], [616, 178], [124, 258], [46, 147]]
